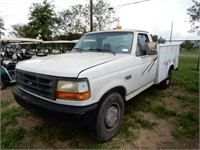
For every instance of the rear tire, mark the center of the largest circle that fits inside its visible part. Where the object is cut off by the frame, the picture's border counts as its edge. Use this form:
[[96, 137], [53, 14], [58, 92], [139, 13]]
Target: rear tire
[[166, 83], [109, 117]]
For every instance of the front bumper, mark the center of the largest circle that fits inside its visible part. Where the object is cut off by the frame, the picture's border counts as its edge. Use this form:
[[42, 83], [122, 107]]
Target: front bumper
[[45, 109]]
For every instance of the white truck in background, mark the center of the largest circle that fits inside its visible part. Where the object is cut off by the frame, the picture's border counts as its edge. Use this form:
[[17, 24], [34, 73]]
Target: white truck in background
[[92, 82]]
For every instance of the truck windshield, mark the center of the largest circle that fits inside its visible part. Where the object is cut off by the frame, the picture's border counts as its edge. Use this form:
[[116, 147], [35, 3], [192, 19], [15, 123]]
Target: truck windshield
[[114, 42]]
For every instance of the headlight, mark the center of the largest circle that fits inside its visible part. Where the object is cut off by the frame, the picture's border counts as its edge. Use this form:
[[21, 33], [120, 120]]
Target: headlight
[[73, 90]]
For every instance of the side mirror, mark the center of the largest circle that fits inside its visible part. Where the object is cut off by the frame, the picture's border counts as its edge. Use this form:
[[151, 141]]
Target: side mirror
[[151, 48]]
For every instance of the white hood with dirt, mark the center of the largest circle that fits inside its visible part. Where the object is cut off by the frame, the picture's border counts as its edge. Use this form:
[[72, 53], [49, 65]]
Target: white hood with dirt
[[68, 64]]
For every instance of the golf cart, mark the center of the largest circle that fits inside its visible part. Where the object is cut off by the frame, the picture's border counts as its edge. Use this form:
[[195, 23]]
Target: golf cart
[[10, 54], [58, 47], [33, 48]]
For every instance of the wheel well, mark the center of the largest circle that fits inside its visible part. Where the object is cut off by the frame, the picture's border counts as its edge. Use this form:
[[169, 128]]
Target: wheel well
[[120, 89], [171, 67]]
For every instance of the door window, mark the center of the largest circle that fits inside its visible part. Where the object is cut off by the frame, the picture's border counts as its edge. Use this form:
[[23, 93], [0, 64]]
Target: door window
[[142, 41]]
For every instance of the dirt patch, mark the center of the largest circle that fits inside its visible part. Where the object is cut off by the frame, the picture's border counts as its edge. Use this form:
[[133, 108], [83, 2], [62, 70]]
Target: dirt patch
[[172, 103], [33, 143], [38, 144], [154, 138], [29, 122], [13, 105], [6, 94], [177, 90], [190, 144], [61, 145]]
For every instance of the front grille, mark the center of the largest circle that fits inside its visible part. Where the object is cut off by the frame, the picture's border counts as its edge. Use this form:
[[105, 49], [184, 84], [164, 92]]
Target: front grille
[[39, 84]]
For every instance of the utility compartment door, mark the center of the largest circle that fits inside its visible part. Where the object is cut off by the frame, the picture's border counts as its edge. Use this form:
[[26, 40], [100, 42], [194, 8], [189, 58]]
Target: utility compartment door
[[176, 49], [167, 55], [162, 63]]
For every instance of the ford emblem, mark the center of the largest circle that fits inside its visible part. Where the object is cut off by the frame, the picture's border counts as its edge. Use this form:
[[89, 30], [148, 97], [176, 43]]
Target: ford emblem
[[30, 83]]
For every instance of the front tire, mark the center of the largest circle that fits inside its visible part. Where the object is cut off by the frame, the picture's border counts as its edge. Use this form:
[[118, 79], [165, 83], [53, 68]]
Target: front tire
[[166, 83], [110, 117]]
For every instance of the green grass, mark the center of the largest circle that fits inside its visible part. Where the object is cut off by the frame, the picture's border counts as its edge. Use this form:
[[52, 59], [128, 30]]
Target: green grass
[[44, 133], [187, 76], [183, 119], [5, 103], [126, 134], [8, 117], [187, 125], [188, 99], [154, 93], [190, 52], [142, 105], [11, 138], [48, 132], [162, 111], [141, 122]]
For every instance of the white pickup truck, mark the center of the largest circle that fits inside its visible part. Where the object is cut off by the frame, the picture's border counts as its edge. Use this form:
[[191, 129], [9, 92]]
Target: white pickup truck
[[103, 71]]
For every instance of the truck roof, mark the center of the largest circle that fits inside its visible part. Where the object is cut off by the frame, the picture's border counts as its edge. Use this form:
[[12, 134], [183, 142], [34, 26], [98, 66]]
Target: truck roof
[[121, 30]]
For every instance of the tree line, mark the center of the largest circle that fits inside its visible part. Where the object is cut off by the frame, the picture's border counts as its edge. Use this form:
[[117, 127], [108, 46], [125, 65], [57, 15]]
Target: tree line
[[44, 23]]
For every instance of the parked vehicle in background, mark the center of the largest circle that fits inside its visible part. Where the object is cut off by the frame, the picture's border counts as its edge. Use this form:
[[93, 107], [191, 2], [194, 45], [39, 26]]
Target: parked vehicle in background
[[103, 71], [10, 54], [25, 47], [58, 47], [33, 48]]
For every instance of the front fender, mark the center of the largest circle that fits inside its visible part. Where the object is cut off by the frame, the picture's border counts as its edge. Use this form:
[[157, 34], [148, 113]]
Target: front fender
[[104, 87]]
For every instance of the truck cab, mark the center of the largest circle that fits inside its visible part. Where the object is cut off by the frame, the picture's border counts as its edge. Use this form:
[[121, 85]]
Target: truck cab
[[103, 71]]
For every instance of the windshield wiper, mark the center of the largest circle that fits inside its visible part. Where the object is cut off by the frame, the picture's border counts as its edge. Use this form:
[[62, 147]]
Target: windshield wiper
[[107, 50], [78, 49], [103, 50]]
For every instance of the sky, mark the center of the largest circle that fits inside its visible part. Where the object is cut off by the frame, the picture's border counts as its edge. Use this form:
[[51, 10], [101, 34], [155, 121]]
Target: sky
[[155, 16]]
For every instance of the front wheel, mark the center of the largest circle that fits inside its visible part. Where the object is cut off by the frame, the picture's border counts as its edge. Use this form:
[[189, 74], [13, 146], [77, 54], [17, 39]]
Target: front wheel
[[166, 83], [110, 117]]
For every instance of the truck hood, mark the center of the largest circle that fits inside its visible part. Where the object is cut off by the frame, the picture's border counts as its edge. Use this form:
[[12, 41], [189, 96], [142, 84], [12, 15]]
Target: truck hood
[[68, 64]]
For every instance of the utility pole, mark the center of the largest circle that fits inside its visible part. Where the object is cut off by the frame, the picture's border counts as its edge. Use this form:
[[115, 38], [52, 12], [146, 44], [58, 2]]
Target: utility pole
[[91, 15]]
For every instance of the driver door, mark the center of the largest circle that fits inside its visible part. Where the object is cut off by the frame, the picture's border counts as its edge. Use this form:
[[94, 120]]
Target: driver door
[[146, 64]]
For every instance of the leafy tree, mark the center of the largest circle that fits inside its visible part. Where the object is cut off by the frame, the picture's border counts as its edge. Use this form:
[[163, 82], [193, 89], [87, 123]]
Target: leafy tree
[[43, 21], [20, 30], [103, 16], [76, 19], [17, 30], [69, 36], [187, 45], [1, 26], [161, 40], [154, 38], [158, 39], [194, 13], [45, 24]]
